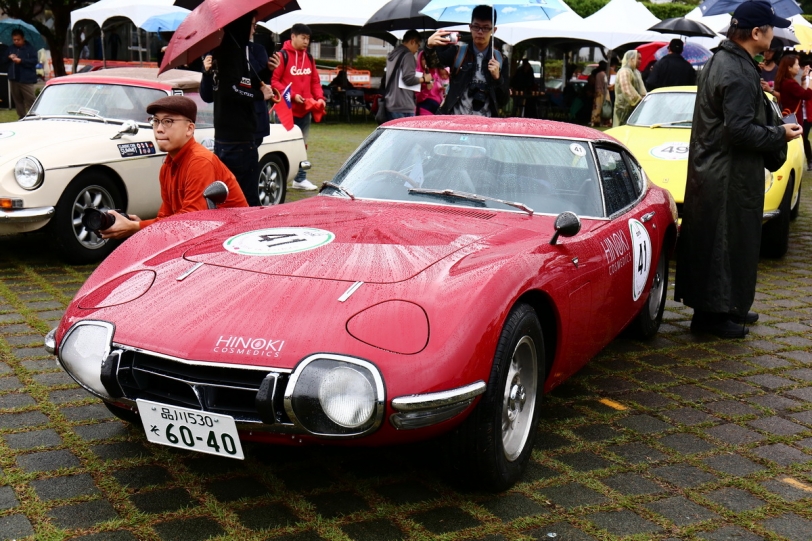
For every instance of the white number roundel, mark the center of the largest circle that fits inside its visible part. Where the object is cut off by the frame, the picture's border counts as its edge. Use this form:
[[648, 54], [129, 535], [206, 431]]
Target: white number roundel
[[641, 248], [278, 241], [670, 151]]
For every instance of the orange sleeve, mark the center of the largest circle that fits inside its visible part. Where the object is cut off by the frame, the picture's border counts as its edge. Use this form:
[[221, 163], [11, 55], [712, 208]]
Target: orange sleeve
[[199, 174]]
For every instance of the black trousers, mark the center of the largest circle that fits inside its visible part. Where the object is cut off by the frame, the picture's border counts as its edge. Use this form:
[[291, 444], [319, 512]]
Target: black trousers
[[241, 159]]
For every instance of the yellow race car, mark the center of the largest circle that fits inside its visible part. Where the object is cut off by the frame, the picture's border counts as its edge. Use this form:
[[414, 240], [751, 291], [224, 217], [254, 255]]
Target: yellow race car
[[658, 133]]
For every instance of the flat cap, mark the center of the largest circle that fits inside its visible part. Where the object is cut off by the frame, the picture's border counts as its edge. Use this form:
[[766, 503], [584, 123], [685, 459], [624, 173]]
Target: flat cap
[[174, 104]]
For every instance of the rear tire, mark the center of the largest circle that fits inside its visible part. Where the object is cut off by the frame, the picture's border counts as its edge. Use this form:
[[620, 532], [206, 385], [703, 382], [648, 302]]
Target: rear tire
[[75, 243], [775, 233], [272, 181], [648, 321], [492, 447]]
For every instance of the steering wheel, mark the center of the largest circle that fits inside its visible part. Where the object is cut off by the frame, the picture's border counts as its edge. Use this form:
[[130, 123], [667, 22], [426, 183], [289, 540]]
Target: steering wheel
[[392, 172]]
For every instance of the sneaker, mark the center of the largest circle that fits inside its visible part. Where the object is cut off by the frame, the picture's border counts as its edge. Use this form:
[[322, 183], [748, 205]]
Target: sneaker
[[305, 185], [717, 324], [749, 319]]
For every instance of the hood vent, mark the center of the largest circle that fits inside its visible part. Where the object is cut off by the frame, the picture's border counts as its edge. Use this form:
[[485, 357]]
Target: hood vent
[[468, 213]]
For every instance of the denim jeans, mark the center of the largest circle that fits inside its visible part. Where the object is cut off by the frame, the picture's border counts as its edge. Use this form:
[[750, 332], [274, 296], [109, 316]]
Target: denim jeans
[[241, 159], [392, 116], [304, 125]]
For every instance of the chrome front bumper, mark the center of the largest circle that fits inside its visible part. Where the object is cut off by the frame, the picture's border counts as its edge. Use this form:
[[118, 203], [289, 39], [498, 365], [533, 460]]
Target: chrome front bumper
[[21, 216], [418, 411], [771, 214]]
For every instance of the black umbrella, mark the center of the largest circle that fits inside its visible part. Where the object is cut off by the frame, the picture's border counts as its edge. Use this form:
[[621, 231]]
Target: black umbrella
[[683, 27], [192, 4], [403, 15]]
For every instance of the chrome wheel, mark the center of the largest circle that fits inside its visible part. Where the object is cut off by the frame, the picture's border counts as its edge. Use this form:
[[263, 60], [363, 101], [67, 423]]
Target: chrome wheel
[[89, 197], [519, 400], [656, 295], [271, 178]]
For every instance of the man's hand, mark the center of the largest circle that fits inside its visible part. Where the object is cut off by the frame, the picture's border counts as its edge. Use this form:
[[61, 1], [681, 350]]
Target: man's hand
[[274, 61], [122, 228], [792, 131], [438, 39], [493, 67], [207, 63], [267, 92], [322, 103], [298, 98], [14, 58], [765, 86]]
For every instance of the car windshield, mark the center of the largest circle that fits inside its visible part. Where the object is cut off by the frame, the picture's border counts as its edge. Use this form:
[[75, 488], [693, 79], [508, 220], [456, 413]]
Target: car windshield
[[548, 175], [110, 101], [672, 108]]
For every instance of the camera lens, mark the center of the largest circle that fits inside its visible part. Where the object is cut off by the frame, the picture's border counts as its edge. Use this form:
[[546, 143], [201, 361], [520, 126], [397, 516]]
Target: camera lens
[[97, 220]]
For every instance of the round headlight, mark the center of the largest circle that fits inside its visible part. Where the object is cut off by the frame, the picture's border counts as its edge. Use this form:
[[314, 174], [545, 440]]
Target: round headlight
[[29, 173], [768, 180], [82, 351], [347, 397]]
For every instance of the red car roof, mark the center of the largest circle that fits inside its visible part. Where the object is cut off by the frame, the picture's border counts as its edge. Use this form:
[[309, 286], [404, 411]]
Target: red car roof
[[507, 126]]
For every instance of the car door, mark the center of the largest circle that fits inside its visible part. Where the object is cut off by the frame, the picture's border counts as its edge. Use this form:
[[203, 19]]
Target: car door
[[627, 242]]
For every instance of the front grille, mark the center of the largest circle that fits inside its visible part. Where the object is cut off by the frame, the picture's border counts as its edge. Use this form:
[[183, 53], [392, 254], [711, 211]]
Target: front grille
[[227, 390]]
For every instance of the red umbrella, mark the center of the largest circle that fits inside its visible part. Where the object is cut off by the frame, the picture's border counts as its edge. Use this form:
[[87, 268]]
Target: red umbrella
[[647, 53], [202, 30]]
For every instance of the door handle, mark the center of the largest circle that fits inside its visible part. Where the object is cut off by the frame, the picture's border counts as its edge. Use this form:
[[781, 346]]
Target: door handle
[[646, 217]]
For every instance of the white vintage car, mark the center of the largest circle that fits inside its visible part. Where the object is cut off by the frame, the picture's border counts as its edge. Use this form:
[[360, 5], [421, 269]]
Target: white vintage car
[[86, 143]]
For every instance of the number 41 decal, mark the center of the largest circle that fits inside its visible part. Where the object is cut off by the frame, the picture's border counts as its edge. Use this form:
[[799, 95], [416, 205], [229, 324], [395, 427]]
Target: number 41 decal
[[641, 248]]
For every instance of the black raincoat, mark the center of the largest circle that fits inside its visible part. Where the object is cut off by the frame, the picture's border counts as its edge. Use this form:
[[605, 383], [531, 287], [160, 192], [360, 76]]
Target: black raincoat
[[720, 236]]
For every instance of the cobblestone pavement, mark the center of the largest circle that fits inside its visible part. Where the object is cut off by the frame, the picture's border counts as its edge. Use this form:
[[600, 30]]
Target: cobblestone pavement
[[677, 438]]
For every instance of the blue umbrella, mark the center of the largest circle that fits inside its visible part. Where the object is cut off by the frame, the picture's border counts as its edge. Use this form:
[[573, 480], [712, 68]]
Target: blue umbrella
[[507, 11], [31, 34], [694, 53], [782, 8], [167, 22]]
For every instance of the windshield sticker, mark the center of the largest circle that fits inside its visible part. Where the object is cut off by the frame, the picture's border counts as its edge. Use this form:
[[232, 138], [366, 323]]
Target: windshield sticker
[[278, 241], [416, 174], [578, 150], [5, 134], [670, 151], [641, 248], [463, 137], [128, 150], [617, 251]]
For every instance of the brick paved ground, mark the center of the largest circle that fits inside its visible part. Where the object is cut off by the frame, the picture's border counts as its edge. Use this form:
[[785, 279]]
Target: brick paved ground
[[713, 440]]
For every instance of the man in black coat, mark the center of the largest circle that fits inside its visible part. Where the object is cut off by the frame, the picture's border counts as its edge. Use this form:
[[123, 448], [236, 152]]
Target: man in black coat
[[724, 197], [672, 69], [477, 86]]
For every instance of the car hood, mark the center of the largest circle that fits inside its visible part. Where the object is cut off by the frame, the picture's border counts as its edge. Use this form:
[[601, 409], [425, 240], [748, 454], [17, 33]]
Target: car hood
[[35, 137], [333, 238], [663, 153]]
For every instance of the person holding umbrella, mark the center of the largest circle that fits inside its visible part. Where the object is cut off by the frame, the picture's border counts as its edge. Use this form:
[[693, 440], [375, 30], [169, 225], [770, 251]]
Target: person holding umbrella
[[478, 86], [672, 69], [22, 72]]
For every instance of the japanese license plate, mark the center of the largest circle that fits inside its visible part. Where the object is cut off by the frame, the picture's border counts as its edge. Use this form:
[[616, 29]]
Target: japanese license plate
[[190, 429]]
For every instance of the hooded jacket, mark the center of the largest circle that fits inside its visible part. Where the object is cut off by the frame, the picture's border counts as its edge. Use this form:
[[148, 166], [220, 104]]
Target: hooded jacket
[[300, 70], [720, 237], [400, 100]]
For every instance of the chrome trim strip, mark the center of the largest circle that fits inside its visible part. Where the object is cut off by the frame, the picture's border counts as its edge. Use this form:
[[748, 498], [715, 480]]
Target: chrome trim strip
[[203, 363], [190, 271], [426, 401], [193, 384], [769, 215], [380, 391], [50, 341], [33, 214], [150, 156], [352, 289]]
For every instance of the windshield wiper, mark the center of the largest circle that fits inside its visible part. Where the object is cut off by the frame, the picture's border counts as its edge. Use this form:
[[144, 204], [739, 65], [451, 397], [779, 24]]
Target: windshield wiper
[[471, 197], [338, 187], [86, 112], [661, 124]]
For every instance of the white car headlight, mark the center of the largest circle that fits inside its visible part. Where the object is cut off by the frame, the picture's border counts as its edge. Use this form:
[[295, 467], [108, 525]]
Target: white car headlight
[[334, 395], [768, 180], [28, 173], [83, 350]]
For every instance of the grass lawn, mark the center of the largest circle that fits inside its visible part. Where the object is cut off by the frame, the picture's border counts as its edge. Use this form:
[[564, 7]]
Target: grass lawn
[[8, 115]]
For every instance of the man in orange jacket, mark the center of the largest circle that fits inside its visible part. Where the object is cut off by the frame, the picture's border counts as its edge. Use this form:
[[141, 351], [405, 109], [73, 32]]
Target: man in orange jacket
[[187, 170]]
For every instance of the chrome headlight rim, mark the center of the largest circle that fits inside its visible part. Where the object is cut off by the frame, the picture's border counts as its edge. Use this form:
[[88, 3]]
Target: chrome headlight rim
[[378, 387], [111, 331], [769, 179], [40, 173]]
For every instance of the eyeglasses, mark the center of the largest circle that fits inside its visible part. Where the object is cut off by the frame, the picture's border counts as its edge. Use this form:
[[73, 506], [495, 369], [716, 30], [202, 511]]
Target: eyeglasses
[[165, 122], [482, 29]]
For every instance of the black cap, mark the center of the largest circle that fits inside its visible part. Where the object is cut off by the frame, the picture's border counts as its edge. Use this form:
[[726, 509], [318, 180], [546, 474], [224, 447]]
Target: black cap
[[754, 13]]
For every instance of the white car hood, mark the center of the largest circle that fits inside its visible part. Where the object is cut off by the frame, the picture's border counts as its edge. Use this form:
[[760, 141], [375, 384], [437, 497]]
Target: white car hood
[[37, 137]]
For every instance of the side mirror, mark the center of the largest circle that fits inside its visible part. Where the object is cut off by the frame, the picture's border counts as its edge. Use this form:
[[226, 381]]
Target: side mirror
[[215, 193], [128, 128], [304, 165], [567, 224]]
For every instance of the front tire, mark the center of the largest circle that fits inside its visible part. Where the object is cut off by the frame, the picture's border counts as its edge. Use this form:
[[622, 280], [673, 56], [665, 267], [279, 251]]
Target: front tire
[[272, 181], [74, 242], [796, 210], [648, 321], [493, 445], [775, 233], [124, 414]]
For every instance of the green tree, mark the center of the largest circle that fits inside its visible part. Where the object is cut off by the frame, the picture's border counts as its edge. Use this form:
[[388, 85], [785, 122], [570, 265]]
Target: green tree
[[33, 11]]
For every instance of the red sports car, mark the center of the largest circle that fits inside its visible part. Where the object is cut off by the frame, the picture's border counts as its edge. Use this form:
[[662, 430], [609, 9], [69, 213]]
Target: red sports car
[[454, 270]]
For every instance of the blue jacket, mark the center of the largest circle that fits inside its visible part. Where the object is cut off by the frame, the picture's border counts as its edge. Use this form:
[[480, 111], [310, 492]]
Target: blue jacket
[[26, 71]]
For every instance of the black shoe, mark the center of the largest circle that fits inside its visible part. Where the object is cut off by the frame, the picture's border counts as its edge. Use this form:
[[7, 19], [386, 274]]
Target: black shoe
[[749, 319], [718, 325]]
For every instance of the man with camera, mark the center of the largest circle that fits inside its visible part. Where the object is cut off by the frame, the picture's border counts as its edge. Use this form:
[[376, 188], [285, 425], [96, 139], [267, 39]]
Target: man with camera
[[478, 86], [187, 170]]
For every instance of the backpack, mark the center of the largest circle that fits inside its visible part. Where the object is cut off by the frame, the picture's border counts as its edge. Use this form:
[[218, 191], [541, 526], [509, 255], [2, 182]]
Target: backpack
[[462, 50], [284, 54]]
